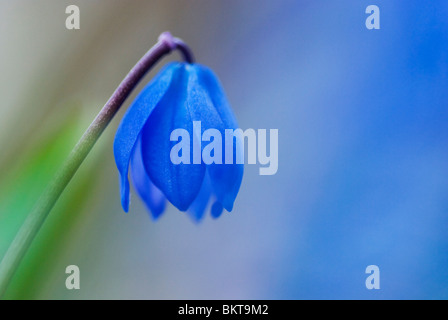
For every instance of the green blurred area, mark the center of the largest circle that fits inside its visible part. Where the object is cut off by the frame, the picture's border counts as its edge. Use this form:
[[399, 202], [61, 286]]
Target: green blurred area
[[20, 189], [23, 183]]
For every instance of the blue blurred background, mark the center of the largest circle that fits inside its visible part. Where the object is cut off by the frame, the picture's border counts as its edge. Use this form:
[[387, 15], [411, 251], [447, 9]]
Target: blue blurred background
[[363, 159]]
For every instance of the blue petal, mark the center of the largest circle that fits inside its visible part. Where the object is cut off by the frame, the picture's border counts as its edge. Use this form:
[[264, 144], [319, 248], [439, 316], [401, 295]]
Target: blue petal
[[177, 110], [150, 194], [216, 210], [197, 208], [226, 178], [133, 122]]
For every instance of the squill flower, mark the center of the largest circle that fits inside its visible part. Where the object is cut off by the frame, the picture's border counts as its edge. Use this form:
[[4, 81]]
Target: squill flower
[[179, 95]]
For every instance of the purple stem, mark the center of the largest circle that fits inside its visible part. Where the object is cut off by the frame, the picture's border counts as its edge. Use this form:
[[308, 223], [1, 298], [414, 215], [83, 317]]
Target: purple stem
[[164, 46]]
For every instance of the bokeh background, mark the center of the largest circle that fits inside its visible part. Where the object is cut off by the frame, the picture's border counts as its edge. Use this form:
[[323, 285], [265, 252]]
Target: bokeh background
[[363, 158]]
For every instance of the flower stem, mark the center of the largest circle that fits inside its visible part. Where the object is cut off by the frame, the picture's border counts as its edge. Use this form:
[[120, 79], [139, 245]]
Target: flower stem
[[42, 208]]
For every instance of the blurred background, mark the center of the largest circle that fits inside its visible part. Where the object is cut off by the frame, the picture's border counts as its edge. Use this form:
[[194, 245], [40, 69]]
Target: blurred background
[[363, 158]]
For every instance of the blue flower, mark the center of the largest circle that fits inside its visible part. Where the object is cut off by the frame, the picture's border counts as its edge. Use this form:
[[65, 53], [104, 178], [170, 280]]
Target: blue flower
[[180, 94]]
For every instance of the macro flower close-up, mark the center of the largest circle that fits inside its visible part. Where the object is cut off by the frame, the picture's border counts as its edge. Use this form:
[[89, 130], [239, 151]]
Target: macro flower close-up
[[178, 96], [223, 151]]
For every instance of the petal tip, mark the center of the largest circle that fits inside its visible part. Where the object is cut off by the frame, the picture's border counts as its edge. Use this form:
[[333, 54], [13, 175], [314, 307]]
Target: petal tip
[[125, 206], [216, 210]]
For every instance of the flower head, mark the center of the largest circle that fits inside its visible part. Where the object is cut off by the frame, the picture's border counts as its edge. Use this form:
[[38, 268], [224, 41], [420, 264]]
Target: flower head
[[179, 95]]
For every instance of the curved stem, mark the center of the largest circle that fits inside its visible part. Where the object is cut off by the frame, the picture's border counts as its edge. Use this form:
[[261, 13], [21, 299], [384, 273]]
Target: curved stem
[[39, 213], [184, 49]]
